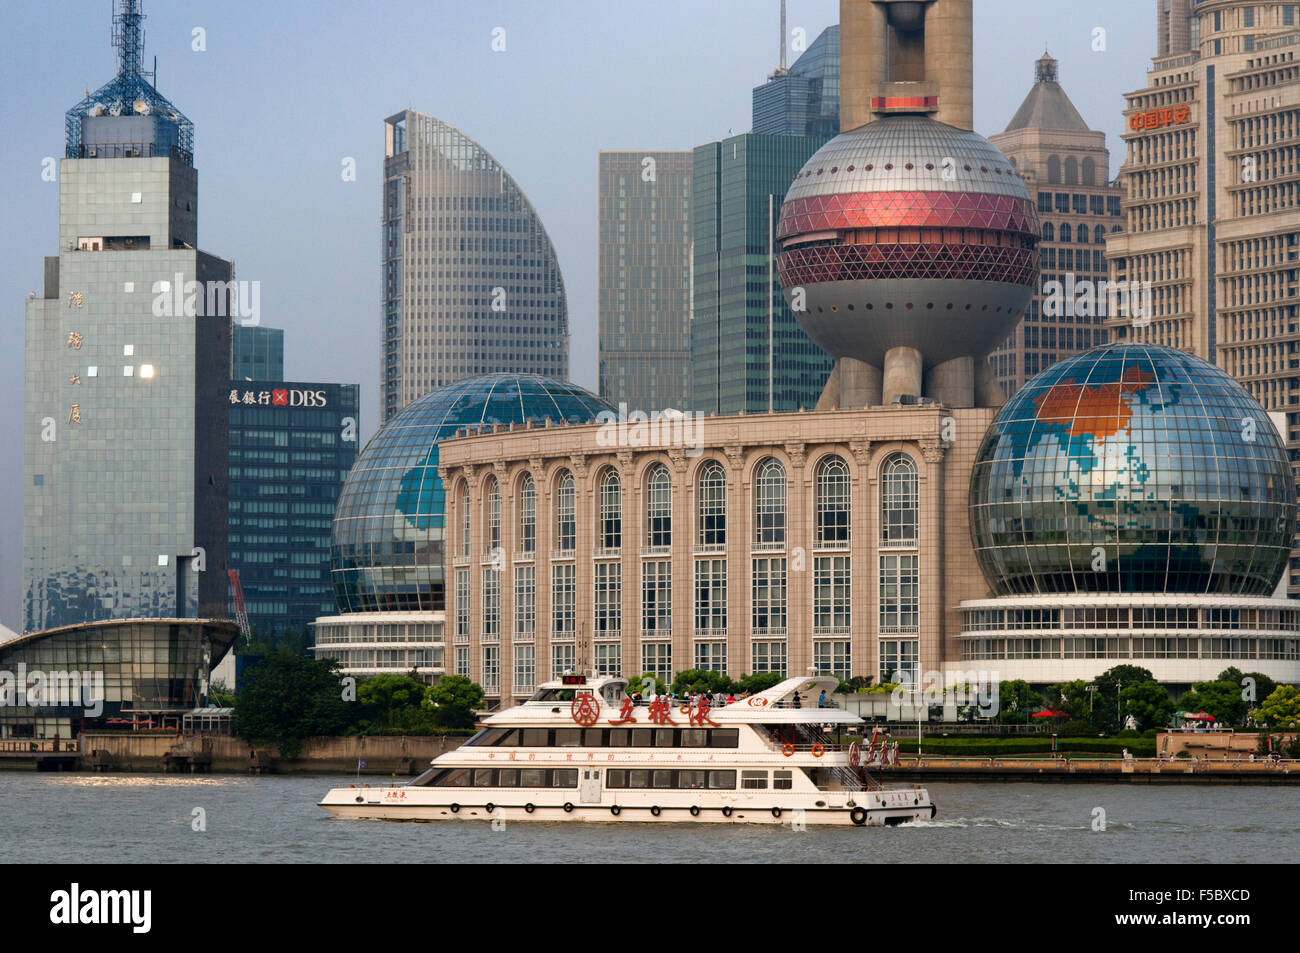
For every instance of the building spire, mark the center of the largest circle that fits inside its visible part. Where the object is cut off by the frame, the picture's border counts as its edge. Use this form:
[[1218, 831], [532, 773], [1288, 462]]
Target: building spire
[[128, 37], [1045, 68]]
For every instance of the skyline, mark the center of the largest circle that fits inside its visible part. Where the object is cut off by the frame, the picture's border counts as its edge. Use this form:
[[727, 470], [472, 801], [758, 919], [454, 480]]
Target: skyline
[[327, 281]]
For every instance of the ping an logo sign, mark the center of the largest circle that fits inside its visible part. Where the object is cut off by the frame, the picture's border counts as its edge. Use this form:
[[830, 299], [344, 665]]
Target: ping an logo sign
[[1157, 118], [284, 397]]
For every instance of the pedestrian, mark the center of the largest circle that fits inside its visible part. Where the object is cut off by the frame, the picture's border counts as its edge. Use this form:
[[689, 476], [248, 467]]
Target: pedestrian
[[821, 700], [798, 702], [731, 699]]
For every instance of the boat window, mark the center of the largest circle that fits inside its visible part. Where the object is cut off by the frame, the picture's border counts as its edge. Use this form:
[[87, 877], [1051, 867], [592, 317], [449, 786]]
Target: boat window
[[753, 780], [642, 737], [722, 780], [691, 779], [783, 780], [694, 738], [616, 778], [593, 737], [620, 737], [490, 736], [532, 778], [535, 737], [510, 738], [565, 778], [426, 778], [638, 778], [568, 737], [509, 778], [662, 779], [724, 738], [456, 778], [483, 778], [663, 738]]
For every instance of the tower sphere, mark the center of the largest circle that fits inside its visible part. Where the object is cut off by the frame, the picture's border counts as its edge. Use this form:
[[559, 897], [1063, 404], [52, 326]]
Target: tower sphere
[[1128, 469], [907, 232]]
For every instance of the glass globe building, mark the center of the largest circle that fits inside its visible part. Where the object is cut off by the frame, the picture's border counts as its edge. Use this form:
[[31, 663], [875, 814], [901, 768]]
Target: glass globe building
[[386, 550], [1132, 469]]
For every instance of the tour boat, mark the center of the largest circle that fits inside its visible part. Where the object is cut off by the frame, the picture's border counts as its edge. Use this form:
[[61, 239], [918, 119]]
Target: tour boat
[[582, 749]]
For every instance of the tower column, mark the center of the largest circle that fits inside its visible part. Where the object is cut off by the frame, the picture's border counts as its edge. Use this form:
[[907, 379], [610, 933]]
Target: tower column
[[902, 375]]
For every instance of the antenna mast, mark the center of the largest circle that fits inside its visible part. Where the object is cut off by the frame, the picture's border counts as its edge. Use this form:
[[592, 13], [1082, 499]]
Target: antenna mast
[[781, 68]]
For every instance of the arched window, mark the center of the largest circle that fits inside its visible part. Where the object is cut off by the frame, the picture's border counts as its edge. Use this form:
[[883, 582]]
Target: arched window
[[566, 524], [1088, 175], [659, 508], [1066, 234], [527, 542], [492, 516], [1082, 235], [833, 503], [611, 512], [898, 502], [712, 507], [769, 505], [462, 507], [1115, 228], [1071, 171], [1053, 170], [1099, 235], [1049, 232]]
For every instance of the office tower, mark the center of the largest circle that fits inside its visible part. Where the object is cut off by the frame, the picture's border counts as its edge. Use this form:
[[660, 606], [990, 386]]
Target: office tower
[[1067, 165], [747, 351], [258, 354], [291, 447], [471, 283], [803, 100], [645, 279], [1211, 215], [128, 357]]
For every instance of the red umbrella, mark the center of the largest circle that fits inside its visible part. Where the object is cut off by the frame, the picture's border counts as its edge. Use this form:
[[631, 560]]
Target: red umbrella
[[1199, 716], [1048, 713]]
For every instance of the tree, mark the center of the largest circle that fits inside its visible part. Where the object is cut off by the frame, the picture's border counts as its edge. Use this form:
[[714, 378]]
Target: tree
[[702, 680], [1221, 699], [452, 700], [1281, 709], [636, 683], [1017, 702], [759, 682], [219, 694], [1254, 685], [392, 699], [286, 699], [1069, 697], [1149, 704]]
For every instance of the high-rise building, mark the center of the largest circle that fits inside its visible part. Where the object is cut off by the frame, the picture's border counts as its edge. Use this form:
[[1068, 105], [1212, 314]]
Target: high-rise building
[[1211, 214], [258, 353], [1068, 166], [471, 282], [747, 351], [128, 358], [803, 100], [645, 279], [291, 447]]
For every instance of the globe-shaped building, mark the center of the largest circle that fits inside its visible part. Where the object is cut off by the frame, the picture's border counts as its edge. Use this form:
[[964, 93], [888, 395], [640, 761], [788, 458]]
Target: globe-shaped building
[[1132, 469], [386, 550]]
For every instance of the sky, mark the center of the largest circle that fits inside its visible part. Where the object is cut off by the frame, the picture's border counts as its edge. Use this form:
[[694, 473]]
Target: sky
[[282, 94]]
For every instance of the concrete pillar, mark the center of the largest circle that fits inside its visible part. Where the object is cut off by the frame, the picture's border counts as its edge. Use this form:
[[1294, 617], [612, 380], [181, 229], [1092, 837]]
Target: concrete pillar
[[852, 385], [950, 60], [863, 37], [988, 392], [952, 383], [902, 373]]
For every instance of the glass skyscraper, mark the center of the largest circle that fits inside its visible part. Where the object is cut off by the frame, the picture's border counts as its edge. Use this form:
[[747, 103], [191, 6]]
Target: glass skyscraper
[[805, 99], [645, 279], [258, 354], [471, 283], [127, 361], [739, 185]]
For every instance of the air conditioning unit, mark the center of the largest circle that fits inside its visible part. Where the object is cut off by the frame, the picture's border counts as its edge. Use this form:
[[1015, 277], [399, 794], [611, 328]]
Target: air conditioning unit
[[92, 153]]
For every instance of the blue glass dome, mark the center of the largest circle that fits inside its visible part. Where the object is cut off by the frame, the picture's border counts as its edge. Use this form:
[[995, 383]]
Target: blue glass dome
[[386, 549], [1132, 469]]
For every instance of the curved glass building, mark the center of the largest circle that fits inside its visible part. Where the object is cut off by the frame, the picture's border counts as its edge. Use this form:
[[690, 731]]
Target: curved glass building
[[1132, 469], [386, 552], [471, 283]]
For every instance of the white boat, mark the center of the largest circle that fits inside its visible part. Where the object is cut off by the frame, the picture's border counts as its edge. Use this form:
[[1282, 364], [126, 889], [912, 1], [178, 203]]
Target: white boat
[[581, 749]]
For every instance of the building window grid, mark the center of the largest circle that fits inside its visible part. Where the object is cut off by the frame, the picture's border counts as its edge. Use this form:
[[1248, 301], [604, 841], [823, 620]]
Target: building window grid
[[711, 596], [832, 595], [659, 509], [900, 587], [769, 656], [563, 600], [899, 496], [833, 657], [833, 504], [657, 598], [711, 518], [769, 506], [611, 514], [527, 516], [769, 595], [525, 602], [608, 583], [566, 525]]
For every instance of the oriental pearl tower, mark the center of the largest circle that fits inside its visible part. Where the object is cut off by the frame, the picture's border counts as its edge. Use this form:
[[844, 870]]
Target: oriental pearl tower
[[906, 246]]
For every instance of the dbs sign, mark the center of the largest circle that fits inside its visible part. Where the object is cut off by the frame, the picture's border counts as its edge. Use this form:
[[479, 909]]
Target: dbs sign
[[284, 397]]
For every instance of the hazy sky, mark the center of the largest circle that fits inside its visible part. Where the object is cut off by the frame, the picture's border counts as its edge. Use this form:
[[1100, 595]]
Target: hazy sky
[[286, 90]]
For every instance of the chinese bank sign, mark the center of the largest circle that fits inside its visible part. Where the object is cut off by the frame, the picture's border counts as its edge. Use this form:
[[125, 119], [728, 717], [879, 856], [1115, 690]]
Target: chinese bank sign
[[278, 397], [1159, 118]]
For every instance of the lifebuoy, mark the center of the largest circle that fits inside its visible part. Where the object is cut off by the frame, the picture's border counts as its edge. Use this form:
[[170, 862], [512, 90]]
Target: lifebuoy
[[490, 807], [685, 709], [776, 812], [455, 808], [656, 810], [933, 810], [858, 816], [568, 807], [787, 750], [818, 751], [726, 811], [530, 807], [615, 810], [695, 810]]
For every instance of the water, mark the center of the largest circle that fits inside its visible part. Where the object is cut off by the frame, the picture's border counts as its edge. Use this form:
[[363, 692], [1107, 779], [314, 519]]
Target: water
[[139, 818]]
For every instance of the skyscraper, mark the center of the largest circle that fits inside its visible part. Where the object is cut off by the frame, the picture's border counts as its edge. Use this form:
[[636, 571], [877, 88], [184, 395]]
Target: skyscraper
[[1067, 165], [1211, 213], [645, 279], [471, 283], [803, 100], [258, 354], [740, 360], [128, 357]]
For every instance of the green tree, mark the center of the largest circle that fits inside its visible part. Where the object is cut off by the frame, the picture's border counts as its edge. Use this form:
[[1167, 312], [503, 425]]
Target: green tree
[[636, 683], [1149, 704], [759, 682], [1258, 687], [452, 700], [702, 680], [1221, 699], [1281, 709], [219, 694], [1017, 702], [1069, 697], [389, 699], [285, 699]]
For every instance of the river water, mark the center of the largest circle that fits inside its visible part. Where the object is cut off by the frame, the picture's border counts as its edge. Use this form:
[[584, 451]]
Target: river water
[[141, 818]]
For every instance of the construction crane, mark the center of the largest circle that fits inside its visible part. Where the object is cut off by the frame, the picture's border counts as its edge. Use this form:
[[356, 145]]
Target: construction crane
[[241, 610]]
